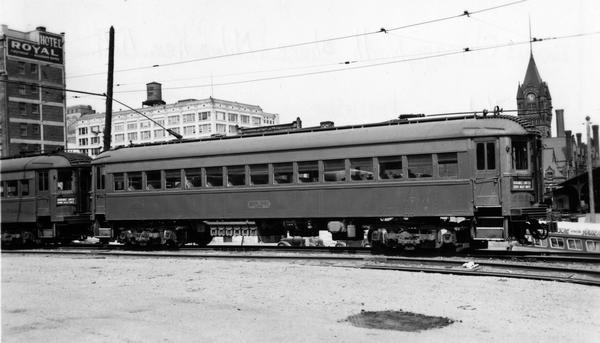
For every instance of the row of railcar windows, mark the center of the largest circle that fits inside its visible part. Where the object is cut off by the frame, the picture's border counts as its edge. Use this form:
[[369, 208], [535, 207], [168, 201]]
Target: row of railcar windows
[[14, 188], [336, 170]]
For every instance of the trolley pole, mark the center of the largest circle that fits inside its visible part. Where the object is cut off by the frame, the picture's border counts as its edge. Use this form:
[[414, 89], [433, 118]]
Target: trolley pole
[[109, 90], [589, 170]]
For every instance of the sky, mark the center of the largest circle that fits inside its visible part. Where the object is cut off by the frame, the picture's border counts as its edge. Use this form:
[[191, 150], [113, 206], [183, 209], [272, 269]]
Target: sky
[[368, 89]]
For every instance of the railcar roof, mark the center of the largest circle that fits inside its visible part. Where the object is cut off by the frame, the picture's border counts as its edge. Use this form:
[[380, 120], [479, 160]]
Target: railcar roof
[[321, 138], [56, 160]]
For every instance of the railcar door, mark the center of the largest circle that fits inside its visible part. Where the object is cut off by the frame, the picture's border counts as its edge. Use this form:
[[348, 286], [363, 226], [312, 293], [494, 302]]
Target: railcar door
[[43, 193], [487, 173], [99, 191]]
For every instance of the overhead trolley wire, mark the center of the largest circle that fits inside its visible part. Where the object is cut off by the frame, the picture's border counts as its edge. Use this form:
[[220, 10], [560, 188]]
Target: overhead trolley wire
[[438, 55], [286, 46]]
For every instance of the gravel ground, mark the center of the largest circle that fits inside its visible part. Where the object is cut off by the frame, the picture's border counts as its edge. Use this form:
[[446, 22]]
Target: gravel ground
[[128, 299]]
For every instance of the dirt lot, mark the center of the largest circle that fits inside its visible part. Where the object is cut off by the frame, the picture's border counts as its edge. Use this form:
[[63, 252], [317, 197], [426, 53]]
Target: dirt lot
[[97, 299]]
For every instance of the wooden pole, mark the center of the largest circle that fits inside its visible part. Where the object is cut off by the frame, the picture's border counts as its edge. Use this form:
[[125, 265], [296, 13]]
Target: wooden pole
[[590, 172], [109, 90]]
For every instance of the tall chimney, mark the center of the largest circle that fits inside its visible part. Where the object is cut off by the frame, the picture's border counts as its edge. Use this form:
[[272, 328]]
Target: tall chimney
[[560, 123], [595, 135], [569, 151]]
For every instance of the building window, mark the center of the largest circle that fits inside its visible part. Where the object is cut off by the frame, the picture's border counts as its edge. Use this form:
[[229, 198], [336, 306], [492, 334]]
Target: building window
[[36, 129], [34, 68], [204, 116], [256, 121], [232, 129], [145, 135], [189, 130], [221, 128], [22, 90], [173, 120], [159, 122], [21, 68], [23, 130], [35, 109], [204, 128], [189, 118], [220, 116], [83, 130], [132, 136], [22, 108], [83, 141], [95, 140], [119, 138], [245, 119], [119, 127], [131, 126], [174, 129], [232, 117], [95, 129], [95, 151], [160, 133], [144, 124]]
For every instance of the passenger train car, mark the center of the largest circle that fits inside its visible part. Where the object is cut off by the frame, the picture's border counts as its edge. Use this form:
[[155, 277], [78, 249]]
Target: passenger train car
[[430, 182], [45, 198]]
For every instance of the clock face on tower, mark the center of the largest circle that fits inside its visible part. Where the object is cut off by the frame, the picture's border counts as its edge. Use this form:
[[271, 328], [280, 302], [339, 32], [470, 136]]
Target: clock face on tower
[[530, 97]]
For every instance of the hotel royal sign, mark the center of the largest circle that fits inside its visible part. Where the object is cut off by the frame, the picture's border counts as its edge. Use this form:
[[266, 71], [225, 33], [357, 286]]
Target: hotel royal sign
[[48, 49]]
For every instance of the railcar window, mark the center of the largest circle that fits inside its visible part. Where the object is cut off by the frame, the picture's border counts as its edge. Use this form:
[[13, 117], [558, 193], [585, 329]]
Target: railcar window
[[11, 188], [193, 178], [65, 180], [236, 176], [480, 156], [283, 172], [390, 167], [335, 170], [100, 177], [134, 181], [214, 177], [574, 244], [519, 155], [592, 246], [24, 187], [308, 171], [361, 169], [420, 166], [43, 180], [153, 179], [491, 156], [172, 179], [118, 182], [259, 174], [557, 243], [448, 164]]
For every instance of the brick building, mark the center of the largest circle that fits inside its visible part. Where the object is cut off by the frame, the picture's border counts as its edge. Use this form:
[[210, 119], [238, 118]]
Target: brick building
[[32, 117]]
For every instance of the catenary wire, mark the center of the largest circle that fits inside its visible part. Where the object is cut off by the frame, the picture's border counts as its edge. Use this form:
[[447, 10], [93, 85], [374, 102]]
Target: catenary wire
[[286, 46]]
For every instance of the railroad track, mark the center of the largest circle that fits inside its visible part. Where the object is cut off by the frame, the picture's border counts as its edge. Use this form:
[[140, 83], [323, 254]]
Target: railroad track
[[586, 273]]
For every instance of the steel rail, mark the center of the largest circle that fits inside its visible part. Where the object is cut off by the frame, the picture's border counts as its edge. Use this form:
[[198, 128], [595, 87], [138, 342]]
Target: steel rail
[[365, 262]]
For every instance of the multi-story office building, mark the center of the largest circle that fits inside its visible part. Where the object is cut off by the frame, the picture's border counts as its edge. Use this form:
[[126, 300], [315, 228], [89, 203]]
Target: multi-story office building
[[190, 118], [32, 102]]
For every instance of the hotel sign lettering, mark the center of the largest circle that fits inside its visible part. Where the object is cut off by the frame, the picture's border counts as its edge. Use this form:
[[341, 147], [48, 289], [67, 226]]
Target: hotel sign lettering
[[49, 49]]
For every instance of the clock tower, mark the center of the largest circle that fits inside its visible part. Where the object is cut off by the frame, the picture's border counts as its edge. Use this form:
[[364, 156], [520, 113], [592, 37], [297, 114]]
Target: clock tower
[[534, 102]]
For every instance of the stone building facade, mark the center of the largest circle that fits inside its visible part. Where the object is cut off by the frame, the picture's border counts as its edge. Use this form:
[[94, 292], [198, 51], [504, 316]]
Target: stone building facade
[[32, 102], [191, 118]]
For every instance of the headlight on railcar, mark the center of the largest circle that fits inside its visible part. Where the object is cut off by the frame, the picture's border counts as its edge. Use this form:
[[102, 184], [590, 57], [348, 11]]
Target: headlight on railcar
[[522, 185]]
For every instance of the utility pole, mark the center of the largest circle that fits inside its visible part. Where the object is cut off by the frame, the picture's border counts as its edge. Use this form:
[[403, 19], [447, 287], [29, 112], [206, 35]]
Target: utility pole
[[589, 170], [109, 90]]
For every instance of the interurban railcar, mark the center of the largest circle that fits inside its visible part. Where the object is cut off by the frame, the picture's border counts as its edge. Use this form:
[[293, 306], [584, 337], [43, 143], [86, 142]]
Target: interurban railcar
[[45, 198], [429, 182]]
